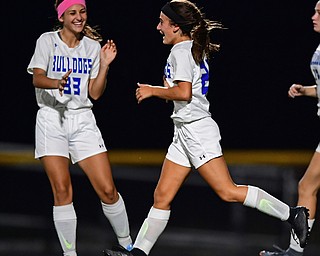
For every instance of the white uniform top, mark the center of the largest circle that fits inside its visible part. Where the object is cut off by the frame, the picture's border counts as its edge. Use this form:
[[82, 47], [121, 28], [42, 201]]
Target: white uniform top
[[56, 58], [182, 67], [315, 68]]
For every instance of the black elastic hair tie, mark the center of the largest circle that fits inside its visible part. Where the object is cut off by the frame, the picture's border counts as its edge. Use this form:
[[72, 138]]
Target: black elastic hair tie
[[167, 10]]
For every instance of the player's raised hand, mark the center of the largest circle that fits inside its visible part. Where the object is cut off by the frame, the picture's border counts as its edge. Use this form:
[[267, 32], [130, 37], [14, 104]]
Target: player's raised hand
[[108, 53], [63, 81], [295, 90]]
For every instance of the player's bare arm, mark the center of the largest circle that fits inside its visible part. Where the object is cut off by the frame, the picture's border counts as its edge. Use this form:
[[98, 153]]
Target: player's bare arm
[[181, 92]]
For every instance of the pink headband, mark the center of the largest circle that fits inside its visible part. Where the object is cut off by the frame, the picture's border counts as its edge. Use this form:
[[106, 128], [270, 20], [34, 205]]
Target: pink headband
[[68, 3]]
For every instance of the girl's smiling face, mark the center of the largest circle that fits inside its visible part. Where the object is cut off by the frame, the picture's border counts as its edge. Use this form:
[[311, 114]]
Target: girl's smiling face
[[75, 18], [168, 30]]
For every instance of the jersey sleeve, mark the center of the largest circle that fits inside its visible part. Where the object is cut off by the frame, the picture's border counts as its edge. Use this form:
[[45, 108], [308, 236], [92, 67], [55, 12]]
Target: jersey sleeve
[[183, 63], [96, 63], [41, 55]]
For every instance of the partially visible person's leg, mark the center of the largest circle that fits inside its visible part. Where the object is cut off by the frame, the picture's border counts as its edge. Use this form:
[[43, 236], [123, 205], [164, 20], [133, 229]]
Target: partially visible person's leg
[[307, 192]]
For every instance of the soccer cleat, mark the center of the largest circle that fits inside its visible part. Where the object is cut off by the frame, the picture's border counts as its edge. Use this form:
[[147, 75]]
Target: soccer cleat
[[299, 223], [123, 252], [280, 252]]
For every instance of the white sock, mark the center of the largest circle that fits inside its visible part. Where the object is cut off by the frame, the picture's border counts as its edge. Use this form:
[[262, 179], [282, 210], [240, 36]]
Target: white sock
[[65, 221], [293, 243], [264, 202], [117, 215], [151, 229]]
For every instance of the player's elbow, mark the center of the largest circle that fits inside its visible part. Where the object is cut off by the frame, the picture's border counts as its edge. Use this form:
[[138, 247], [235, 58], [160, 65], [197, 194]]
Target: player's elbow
[[186, 96], [95, 97], [36, 82], [95, 94]]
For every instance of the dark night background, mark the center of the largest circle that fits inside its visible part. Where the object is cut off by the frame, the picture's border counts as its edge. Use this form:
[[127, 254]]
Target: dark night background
[[266, 47]]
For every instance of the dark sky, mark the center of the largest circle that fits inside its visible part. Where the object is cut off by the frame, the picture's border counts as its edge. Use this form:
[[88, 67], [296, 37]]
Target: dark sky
[[266, 47]]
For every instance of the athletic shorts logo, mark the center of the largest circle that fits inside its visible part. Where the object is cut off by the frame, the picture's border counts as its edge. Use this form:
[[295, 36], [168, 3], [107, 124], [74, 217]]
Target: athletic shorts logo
[[202, 157]]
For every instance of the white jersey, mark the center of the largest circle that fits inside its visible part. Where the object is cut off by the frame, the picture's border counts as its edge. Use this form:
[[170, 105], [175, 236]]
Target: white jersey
[[315, 68], [56, 58], [182, 67]]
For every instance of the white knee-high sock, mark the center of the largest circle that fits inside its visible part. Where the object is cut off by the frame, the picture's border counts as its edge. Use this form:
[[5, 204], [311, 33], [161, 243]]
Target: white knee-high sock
[[151, 229], [264, 202], [65, 221], [117, 215], [293, 241]]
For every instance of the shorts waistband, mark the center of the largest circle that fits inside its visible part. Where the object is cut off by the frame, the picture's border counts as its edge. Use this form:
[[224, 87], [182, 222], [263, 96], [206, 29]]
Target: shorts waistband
[[179, 123], [65, 112]]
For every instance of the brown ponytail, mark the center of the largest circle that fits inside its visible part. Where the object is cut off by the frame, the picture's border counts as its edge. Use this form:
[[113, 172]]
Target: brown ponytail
[[197, 27]]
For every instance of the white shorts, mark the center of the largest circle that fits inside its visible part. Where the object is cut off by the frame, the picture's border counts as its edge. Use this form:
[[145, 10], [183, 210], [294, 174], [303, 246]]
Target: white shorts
[[195, 143], [76, 135]]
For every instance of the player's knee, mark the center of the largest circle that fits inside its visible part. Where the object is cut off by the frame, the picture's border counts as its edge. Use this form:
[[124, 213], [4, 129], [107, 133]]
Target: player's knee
[[228, 195], [161, 200], [306, 189], [62, 194], [109, 195]]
